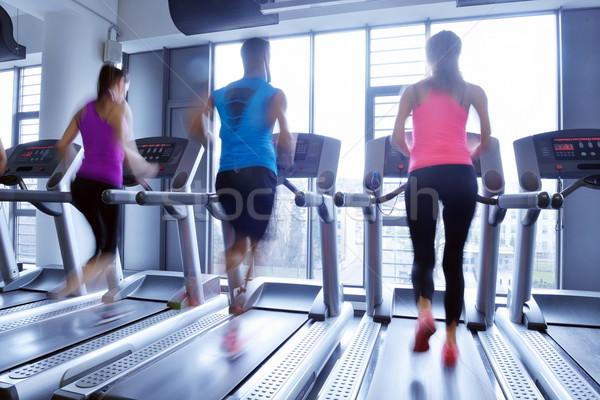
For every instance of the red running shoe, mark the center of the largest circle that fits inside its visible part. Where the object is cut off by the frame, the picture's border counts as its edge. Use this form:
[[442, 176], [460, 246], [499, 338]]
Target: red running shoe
[[425, 328], [450, 354]]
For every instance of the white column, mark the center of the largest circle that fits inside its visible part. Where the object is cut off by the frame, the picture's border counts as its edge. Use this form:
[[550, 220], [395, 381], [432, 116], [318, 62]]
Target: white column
[[71, 60]]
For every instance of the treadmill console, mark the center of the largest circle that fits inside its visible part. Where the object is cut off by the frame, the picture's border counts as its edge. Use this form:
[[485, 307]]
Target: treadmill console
[[31, 160], [307, 156], [570, 154], [395, 164], [166, 151]]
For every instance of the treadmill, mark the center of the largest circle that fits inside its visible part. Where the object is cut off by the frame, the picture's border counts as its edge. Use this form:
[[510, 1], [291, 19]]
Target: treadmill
[[27, 289], [289, 329], [379, 362], [557, 334], [47, 350]]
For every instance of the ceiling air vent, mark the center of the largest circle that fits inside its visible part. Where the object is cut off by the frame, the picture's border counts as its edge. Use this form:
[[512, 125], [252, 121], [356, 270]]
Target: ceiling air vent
[[9, 48], [195, 17]]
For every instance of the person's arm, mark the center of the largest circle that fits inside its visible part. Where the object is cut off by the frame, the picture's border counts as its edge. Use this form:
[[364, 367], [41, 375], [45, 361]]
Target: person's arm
[[405, 107], [480, 103], [2, 158], [64, 144], [121, 119], [202, 123], [286, 144]]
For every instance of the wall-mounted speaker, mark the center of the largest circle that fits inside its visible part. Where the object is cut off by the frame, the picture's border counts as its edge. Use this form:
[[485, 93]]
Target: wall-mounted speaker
[[113, 52]]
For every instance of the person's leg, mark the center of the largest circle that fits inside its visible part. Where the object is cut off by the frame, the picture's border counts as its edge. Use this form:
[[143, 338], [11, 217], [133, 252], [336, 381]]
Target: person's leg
[[83, 194], [421, 207], [459, 200], [111, 215]]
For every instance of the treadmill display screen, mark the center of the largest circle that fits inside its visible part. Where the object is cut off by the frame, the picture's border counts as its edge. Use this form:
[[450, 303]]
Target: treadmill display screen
[[576, 148], [156, 152], [307, 150], [36, 155]]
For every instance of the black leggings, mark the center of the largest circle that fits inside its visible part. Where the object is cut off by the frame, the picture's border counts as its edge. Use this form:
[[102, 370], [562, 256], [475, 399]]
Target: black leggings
[[103, 218], [456, 187]]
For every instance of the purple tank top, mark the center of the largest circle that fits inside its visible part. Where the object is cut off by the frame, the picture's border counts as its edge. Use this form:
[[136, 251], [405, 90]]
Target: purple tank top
[[103, 154]]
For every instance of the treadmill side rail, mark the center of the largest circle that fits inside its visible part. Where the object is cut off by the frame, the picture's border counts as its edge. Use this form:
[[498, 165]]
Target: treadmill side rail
[[297, 364], [348, 373], [557, 377]]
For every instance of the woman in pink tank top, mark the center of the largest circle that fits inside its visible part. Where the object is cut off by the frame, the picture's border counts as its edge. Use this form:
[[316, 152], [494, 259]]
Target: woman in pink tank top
[[440, 169], [105, 126]]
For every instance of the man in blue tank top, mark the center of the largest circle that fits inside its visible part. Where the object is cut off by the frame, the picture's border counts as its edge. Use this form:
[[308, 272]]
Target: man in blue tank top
[[247, 177]]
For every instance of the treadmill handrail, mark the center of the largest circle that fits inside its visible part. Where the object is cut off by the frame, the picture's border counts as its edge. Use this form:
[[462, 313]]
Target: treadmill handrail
[[119, 196], [529, 200], [35, 196], [364, 200], [155, 198]]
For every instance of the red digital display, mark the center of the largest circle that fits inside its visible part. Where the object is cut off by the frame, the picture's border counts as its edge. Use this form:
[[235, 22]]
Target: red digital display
[[564, 147]]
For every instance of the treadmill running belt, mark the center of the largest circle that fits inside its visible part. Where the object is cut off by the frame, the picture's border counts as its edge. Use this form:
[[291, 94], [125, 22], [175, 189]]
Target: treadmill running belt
[[20, 345], [202, 369], [582, 344], [19, 297], [403, 374]]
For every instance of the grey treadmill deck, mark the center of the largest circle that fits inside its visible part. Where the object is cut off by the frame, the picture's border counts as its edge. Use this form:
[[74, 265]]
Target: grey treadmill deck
[[24, 344], [403, 374], [201, 369], [582, 344], [19, 297]]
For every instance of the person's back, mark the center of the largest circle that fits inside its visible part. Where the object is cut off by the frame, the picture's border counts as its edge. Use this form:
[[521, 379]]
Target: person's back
[[439, 134], [246, 126], [103, 153]]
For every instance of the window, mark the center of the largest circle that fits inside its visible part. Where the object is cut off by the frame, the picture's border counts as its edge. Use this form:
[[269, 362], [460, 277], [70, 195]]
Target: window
[[6, 107], [6, 119], [339, 112], [397, 55], [397, 58], [28, 130]]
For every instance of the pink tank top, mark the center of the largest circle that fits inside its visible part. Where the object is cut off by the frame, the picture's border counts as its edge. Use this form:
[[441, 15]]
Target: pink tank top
[[439, 132], [103, 154]]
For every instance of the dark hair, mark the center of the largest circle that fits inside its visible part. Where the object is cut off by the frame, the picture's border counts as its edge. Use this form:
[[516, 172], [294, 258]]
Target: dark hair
[[253, 49], [108, 77], [443, 51]]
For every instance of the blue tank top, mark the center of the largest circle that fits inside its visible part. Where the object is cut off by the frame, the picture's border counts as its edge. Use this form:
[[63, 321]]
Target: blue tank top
[[246, 130]]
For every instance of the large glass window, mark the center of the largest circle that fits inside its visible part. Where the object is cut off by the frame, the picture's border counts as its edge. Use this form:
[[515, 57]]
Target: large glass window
[[339, 112], [28, 130], [397, 59], [6, 106], [6, 119]]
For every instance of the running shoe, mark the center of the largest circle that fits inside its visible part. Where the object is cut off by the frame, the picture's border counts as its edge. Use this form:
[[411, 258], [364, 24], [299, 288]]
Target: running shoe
[[425, 328]]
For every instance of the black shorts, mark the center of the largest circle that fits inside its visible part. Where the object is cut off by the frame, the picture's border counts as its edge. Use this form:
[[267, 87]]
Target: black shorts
[[247, 196], [103, 218]]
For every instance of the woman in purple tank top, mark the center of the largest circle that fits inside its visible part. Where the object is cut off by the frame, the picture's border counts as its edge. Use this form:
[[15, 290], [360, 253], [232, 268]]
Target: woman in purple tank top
[[440, 169], [106, 129]]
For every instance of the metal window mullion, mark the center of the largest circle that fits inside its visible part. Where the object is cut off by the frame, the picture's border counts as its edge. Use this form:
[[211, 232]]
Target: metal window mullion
[[210, 173], [311, 127], [559, 218]]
